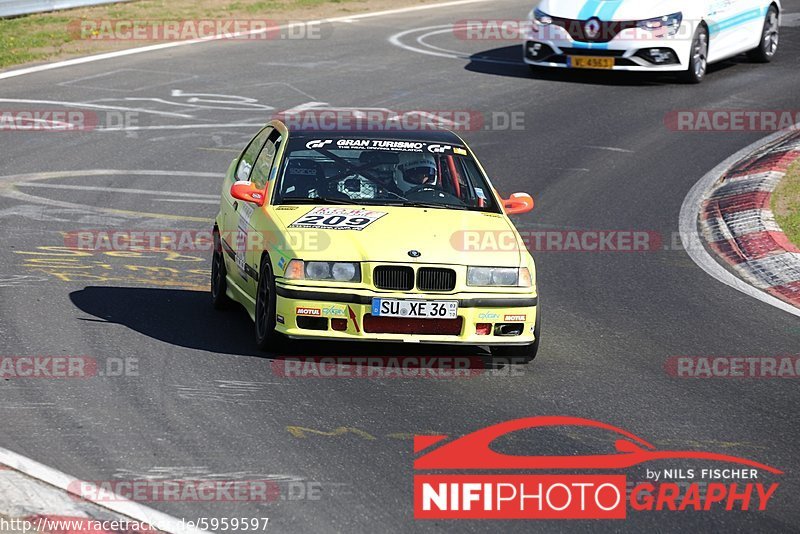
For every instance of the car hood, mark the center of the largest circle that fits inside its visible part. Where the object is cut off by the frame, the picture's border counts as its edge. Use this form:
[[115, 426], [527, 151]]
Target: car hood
[[441, 236], [611, 9]]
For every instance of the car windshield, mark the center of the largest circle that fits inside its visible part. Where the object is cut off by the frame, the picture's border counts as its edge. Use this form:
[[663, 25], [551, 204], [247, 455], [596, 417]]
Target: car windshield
[[382, 172]]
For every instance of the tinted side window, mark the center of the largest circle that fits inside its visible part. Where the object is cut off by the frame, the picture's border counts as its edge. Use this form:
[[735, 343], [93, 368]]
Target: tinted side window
[[248, 159]]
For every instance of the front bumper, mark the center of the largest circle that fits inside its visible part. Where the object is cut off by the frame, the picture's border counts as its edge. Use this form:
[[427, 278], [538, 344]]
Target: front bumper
[[629, 51], [311, 313]]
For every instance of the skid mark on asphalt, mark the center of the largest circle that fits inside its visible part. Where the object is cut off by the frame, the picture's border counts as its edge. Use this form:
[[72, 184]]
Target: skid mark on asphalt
[[169, 78], [95, 106], [7, 184], [15, 280], [227, 391], [117, 190]]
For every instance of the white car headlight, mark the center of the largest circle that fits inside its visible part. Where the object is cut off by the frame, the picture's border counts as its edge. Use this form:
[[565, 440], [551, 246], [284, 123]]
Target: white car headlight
[[324, 270], [540, 18], [670, 24], [498, 277]]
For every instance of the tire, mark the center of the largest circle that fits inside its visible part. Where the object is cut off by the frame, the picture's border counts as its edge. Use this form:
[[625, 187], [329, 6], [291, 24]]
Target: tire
[[770, 38], [219, 282], [266, 336], [522, 353], [698, 62]]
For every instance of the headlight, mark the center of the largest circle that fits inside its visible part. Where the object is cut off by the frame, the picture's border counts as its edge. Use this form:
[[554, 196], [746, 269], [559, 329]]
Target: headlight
[[669, 23], [537, 16], [324, 270], [498, 277]]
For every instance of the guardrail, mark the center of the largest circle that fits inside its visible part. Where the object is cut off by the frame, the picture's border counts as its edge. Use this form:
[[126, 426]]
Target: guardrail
[[12, 8]]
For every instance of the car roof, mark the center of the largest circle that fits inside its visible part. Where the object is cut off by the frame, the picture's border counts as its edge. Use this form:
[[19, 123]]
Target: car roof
[[425, 136]]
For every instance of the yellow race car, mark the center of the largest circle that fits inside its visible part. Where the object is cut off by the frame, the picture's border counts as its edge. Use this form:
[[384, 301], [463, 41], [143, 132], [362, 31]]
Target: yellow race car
[[373, 236]]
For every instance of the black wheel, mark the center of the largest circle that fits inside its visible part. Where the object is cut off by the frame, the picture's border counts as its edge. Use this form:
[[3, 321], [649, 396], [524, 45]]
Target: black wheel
[[770, 38], [698, 62], [523, 353], [219, 282], [266, 336]]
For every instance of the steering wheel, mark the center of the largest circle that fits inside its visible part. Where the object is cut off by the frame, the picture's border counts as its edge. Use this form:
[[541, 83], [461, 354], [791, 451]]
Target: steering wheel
[[429, 191]]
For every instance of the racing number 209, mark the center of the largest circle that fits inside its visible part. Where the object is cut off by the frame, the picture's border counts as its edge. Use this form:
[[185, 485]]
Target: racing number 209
[[337, 219], [334, 220]]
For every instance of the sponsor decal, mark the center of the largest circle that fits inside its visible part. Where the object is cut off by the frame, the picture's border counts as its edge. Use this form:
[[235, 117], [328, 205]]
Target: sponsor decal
[[318, 143], [332, 218], [280, 319], [335, 312], [472, 478], [354, 319], [309, 312], [489, 315], [515, 318]]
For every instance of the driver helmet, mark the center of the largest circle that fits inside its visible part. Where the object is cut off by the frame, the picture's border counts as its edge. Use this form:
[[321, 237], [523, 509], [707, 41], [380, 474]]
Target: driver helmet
[[416, 173]]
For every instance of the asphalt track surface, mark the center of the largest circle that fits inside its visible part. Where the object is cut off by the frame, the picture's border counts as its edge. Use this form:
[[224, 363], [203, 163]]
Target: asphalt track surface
[[207, 404]]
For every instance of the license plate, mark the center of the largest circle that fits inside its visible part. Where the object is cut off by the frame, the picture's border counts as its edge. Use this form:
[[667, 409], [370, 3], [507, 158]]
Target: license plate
[[583, 62], [415, 309]]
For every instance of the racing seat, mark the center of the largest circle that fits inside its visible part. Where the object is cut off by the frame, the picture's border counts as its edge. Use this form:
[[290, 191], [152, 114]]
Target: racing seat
[[303, 176]]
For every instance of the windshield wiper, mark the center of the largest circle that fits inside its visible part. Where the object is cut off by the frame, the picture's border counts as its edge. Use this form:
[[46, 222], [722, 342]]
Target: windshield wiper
[[434, 205]]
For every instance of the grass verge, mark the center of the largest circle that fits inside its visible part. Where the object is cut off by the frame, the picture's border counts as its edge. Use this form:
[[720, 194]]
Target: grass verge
[[786, 203], [49, 36]]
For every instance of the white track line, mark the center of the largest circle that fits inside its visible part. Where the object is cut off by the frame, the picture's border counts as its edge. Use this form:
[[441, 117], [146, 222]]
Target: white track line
[[120, 505], [163, 46], [690, 212], [94, 106]]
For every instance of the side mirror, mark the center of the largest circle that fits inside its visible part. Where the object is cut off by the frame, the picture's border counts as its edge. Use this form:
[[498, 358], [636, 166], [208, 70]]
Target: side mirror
[[518, 203], [248, 192]]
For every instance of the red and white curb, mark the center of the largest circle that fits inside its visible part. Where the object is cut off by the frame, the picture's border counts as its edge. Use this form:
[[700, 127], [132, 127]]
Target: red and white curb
[[45, 498], [739, 226], [730, 207]]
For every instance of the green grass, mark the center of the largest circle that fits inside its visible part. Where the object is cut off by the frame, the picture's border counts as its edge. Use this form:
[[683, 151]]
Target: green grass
[[786, 203], [47, 36]]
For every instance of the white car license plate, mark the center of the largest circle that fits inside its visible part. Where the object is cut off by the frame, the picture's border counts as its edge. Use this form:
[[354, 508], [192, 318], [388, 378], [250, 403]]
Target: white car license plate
[[415, 309]]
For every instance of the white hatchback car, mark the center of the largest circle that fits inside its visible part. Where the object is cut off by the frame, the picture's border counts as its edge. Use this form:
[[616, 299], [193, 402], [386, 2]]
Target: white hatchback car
[[651, 35]]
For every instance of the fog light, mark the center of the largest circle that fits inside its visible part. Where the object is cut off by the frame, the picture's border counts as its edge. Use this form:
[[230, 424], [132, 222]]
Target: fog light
[[483, 329], [340, 325], [658, 56]]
